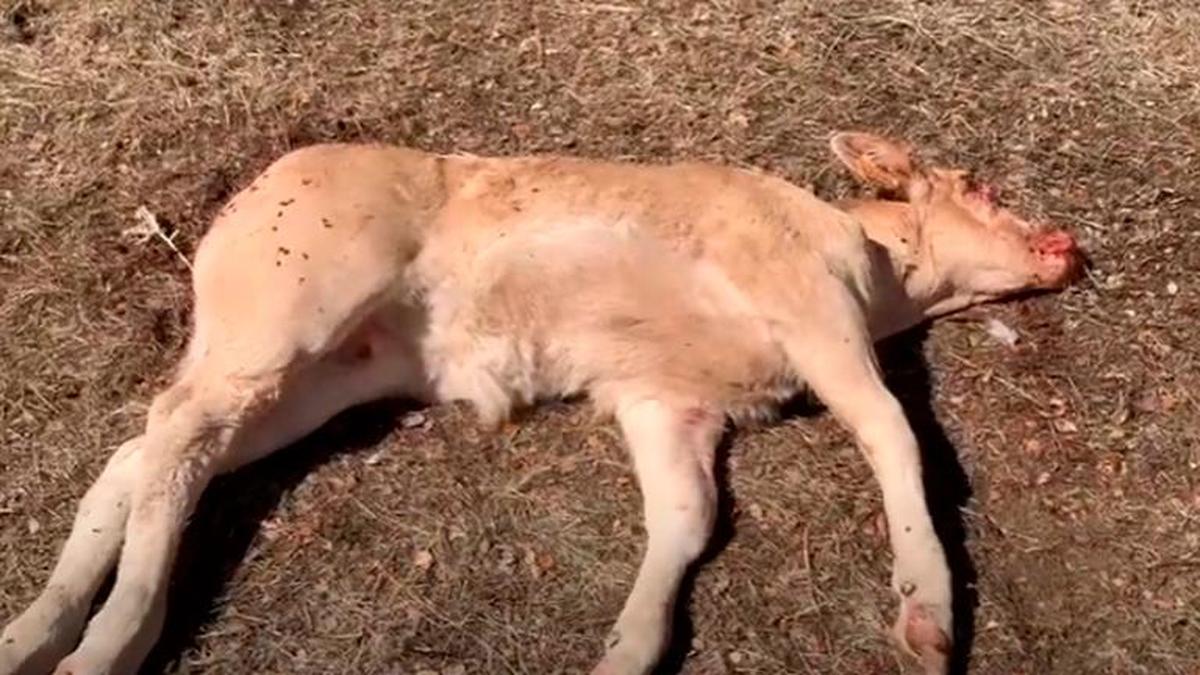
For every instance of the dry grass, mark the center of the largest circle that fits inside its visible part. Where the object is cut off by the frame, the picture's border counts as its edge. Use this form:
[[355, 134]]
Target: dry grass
[[437, 549]]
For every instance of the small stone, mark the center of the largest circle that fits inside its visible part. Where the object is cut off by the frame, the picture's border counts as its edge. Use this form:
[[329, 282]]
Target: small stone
[[1033, 447], [1065, 426], [413, 420], [1000, 332], [507, 558], [33, 526], [1172, 288], [423, 560]]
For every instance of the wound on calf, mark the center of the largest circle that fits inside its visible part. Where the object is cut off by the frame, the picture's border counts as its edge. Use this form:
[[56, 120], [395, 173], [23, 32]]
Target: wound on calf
[[364, 351]]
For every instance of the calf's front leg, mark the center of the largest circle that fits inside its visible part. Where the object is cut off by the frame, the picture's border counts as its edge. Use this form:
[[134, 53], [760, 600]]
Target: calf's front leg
[[834, 355], [672, 447]]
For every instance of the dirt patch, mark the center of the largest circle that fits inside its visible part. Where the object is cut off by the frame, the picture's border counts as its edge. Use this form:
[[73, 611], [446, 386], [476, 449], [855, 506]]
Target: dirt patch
[[378, 548]]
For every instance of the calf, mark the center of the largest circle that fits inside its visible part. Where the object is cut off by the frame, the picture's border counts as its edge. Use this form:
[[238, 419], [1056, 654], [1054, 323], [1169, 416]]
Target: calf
[[676, 297]]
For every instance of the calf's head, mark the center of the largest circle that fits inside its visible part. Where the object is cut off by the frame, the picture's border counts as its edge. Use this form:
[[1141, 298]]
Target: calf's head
[[959, 242]]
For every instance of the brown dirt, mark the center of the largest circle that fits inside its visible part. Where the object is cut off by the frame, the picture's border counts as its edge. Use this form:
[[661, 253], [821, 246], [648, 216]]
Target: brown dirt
[[376, 548]]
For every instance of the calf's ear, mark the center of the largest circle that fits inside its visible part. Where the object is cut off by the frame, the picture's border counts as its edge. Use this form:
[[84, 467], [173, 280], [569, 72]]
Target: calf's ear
[[875, 160]]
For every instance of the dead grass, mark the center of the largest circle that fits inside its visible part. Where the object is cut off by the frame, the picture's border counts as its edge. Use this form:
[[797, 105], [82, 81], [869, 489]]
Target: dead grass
[[436, 549]]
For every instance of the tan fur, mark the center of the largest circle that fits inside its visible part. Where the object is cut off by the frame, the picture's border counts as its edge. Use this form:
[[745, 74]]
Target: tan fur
[[674, 296]]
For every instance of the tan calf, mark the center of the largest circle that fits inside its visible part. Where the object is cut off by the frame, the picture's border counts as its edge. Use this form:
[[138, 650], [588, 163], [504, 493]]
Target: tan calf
[[676, 297]]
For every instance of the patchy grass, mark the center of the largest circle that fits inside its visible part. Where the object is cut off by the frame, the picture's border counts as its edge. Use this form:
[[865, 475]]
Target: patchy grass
[[375, 547]]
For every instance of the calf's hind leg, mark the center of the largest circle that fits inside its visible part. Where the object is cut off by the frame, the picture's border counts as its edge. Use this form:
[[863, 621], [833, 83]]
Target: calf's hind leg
[[243, 420], [35, 641], [673, 448], [182, 448], [48, 628]]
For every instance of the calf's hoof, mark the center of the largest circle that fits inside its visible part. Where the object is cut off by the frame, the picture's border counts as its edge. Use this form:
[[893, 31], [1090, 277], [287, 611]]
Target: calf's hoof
[[924, 632]]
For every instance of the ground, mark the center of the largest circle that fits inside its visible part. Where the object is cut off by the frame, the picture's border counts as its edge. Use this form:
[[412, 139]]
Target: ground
[[1065, 468]]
